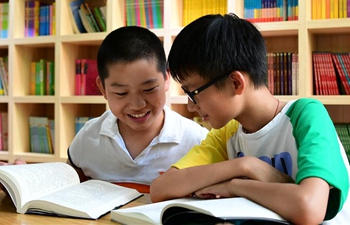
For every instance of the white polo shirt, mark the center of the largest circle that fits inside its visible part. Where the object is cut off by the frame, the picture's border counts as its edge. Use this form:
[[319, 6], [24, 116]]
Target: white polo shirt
[[99, 149]]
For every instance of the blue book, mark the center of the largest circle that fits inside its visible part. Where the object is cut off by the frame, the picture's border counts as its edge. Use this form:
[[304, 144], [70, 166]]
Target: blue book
[[78, 26]]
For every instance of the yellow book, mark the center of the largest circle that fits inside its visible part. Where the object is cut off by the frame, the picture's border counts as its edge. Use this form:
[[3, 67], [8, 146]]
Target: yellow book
[[318, 9], [54, 18], [331, 6], [341, 9], [223, 7], [184, 12], [336, 8], [323, 9], [344, 9], [32, 78]]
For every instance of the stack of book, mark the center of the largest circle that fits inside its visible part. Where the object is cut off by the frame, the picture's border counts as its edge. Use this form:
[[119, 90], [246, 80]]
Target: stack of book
[[330, 9], [343, 131], [144, 13], [39, 18], [85, 77], [41, 134], [283, 73], [270, 10], [87, 18], [42, 75], [193, 9], [331, 72], [4, 19], [4, 75]]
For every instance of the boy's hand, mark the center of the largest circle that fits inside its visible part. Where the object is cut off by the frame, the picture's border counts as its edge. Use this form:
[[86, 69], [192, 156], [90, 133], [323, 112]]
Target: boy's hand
[[220, 190], [262, 171], [18, 161]]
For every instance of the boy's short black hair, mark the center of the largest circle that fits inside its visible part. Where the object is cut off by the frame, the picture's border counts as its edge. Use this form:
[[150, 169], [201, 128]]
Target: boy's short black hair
[[129, 44], [214, 45]]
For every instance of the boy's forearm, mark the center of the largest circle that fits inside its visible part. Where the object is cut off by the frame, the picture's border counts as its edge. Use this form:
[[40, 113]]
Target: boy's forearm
[[303, 203], [180, 183]]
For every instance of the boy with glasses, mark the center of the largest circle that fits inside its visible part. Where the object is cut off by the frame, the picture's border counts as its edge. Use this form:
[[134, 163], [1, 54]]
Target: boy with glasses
[[285, 156]]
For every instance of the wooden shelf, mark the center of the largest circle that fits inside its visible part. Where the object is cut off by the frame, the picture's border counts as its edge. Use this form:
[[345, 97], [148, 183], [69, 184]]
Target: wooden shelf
[[302, 36]]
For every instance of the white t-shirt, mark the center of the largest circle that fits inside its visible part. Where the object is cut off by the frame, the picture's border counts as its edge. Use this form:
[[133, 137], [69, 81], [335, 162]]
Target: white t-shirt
[[99, 149]]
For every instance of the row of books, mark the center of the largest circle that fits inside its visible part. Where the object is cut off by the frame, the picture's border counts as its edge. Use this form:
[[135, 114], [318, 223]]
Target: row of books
[[4, 19], [271, 10], [86, 18], [42, 77], [39, 18], [4, 75], [85, 77], [330, 9], [331, 73], [42, 138], [343, 131], [144, 13], [283, 72], [193, 9], [4, 133]]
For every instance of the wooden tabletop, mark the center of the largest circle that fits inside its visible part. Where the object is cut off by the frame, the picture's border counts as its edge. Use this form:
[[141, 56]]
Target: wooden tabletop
[[8, 214]]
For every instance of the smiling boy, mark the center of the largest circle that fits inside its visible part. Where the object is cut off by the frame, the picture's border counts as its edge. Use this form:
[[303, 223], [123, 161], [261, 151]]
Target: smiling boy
[[139, 137]]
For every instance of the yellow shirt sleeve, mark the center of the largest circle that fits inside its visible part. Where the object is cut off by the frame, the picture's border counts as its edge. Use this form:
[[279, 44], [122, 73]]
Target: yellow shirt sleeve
[[211, 150]]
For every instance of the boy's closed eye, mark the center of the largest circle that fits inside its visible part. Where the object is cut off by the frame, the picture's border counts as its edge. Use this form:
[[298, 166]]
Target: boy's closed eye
[[151, 89]]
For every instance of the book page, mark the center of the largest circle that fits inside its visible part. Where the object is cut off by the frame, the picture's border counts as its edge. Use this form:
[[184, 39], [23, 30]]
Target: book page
[[35, 180], [89, 199], [145, 214], [230, 208]]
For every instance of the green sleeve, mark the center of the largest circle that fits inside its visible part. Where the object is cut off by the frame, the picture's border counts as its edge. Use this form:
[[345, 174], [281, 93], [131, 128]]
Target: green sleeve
[[319, 151]]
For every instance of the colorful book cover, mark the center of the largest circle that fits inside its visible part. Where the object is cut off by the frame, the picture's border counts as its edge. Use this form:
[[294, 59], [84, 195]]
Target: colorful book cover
[[99, 19], [50, 78], [85, 20], [91, 17], [77, 23], [91, 74]]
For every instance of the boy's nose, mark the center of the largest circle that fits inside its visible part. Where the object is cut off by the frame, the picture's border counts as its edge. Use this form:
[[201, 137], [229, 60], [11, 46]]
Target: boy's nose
[[137, 103], [191, 106]]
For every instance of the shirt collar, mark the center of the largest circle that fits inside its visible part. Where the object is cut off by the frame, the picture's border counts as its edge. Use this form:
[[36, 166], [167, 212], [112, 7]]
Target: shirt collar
[[170, 132]]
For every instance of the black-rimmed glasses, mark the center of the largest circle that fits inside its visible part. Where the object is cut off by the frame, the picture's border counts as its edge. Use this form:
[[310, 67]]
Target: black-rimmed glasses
[[191, 94]]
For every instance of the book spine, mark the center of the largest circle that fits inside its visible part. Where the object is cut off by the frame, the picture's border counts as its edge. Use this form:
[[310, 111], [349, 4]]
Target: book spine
[[4, 127], [83, 77], [100, 21], [91, 18], [78, 82]]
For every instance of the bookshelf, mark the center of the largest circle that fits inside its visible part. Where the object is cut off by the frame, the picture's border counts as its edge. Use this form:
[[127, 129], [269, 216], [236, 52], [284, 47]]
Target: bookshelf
[[303, 36]]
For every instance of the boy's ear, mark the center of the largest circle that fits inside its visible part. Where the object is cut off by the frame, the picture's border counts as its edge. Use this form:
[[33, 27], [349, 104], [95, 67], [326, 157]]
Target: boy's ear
[[167, 80], [238, 81], [100, 86]]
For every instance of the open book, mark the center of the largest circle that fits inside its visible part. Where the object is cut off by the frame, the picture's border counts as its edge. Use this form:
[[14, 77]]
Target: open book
[[55, 189], [198, 211]]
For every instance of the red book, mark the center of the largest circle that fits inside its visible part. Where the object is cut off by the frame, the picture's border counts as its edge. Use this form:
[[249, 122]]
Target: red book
[[91, 73], [317, 80], [338, 64]]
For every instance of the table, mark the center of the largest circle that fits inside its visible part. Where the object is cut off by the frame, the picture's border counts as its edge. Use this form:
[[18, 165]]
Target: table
[[8, 214]]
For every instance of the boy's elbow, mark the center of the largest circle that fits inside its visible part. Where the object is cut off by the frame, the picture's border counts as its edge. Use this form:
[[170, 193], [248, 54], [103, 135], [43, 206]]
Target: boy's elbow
[[308, 213], [155, 191]]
